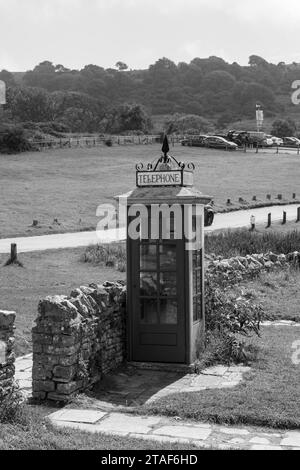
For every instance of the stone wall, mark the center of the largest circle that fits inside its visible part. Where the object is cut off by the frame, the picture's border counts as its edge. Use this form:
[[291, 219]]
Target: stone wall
[[252, 264], [7, 357], [78, 339]]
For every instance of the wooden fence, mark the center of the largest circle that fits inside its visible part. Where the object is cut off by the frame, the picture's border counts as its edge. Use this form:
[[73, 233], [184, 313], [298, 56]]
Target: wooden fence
[[95, 141]]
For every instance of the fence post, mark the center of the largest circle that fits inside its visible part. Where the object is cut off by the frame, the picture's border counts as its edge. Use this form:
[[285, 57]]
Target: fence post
[[277, 150], [256, 148], [13, 253], [298, 214], [269, 220], [284, 218]]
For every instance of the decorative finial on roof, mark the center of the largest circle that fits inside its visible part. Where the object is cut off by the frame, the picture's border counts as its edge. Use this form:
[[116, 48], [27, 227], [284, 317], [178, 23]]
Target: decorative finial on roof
[[165, 148]]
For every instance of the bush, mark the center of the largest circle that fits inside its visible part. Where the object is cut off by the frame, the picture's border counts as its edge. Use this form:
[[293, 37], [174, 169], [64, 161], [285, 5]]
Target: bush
[[13, 140], [113, 255], [225, 348], [11, 408], [46, 129], [230, 308], [181, 123], [231, 314]]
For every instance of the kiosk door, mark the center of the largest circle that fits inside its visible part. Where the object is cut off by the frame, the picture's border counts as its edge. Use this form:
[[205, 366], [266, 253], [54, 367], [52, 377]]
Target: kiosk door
[[159, 333]]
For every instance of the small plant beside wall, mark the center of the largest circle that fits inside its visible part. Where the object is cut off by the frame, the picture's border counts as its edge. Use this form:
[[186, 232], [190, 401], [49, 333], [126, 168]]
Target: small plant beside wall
[[231, 315], [11, 407]]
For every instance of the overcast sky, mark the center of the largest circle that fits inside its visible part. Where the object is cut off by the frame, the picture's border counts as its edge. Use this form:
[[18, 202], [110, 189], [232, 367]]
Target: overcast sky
[[138, 32]]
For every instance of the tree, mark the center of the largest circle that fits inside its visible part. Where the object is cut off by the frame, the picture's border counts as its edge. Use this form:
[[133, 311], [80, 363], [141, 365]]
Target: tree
[[128, 117], [183, 123], [30, 104], [7, 78], [59, 68], [256, 60], [219, 80], [284, 128], [45, 67], [121, 66]]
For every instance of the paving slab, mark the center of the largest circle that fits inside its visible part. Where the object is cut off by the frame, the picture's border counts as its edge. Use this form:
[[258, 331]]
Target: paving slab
[[265, 447], [234, 431], [291, 439], [216, 370], [189, 432], [237, 440], [129, 424], [78, 416], [260, 440], [165, 439], [90, 428]]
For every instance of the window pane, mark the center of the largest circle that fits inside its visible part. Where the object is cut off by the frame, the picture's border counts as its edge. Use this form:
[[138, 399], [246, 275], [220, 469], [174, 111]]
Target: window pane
[[148, 257], [197, 310], [196, 259], [168, 284], [167, 256], [195, 282], [149, 311], [168, 312], [148, 284]]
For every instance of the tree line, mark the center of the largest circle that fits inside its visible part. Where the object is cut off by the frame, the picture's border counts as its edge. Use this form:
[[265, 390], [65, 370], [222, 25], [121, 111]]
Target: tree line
[[119, 100]]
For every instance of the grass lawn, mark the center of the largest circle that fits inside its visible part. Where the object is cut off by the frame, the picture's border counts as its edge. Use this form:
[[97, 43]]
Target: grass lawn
[[44, 273], [269, 395], [69, 184], [40, 435], [279, 292]]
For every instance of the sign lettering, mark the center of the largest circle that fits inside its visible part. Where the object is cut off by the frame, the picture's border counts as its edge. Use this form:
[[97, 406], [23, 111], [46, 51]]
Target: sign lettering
[[163, 178]]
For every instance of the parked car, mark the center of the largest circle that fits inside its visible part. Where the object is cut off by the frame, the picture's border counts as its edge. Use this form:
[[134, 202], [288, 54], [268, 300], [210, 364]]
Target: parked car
[[290, 142], [216, 142], [238, 137], [209, 215], [248, 138], [194, 141], [272, 140]]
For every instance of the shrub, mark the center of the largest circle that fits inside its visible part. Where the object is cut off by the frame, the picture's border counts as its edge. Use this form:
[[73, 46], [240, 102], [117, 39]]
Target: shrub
[[11, 407], [230, 308], [113, 255], [13, 140], [46, 129], [225, 348], [231, 314]]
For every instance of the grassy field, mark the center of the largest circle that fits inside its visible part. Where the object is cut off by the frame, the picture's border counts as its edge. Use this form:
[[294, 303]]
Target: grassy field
[[69, 184], [269, 395], [242, 242], [279, 292], [46, 273]]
